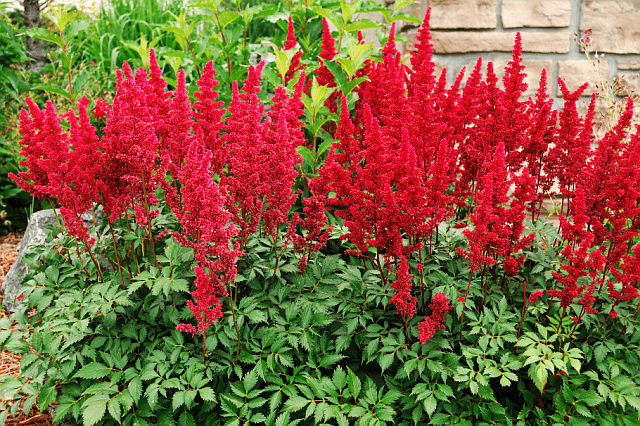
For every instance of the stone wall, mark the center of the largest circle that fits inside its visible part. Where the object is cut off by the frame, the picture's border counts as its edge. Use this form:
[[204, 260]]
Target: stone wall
[[462, 30]]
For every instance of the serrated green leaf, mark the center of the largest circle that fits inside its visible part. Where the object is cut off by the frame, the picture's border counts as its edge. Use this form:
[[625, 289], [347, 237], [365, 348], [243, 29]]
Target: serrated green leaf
[[353, 383], [47, 395], [44, 34], [186, 419], [135, 389], [94, 410], [539, 375], [207, 394], [113, 406], [93, 370], [440, 419], [430, 404], [250, 380], [590, 398], [296, 403], [339, 377]]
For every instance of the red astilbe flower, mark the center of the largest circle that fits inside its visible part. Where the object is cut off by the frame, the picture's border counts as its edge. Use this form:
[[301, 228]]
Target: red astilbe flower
[[314, 223], [571, 142], [177, 124], [385, 93], [101, 109], [328, 52], [580, 263], [628, 275], [203, 217], [207, 228], [154, 96], [533, 297], [575, 231], [281, 140], [83, 172], [489, 116], [207, 308], [289, 44], [45, 148], [497, 229], [243, 143], [65, 166], [514, 129], [481, 137], [402, 298], [262, 155], [379, 191], [611, 181], [439, 309], [291, 41], [141, 217], [422, 66], [536, 147], [130, 147], [323, 75], [429, 122], [208, 114]]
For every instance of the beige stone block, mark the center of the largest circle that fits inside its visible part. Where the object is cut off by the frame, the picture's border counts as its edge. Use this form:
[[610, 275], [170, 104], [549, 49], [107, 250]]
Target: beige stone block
[[629, 64], [627, 84], [439, 66], [615, 25], [451, 14], [536, 13], [469, 41], [533, 70], [576, 72]]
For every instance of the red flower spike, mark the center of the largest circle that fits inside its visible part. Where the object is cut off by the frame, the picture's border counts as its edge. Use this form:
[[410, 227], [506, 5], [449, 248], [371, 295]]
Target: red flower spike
[[207, 308], [571, 142], [208, 115], [328, 42], [291, 41], [497, 229], [101, 109], [130, 147], [402, 298], [385, 93], [178, 124], [439, 309], [45, 147], [533, 298]]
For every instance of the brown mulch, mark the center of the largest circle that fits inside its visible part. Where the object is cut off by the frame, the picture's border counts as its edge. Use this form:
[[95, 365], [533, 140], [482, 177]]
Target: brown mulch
[[9, 362]]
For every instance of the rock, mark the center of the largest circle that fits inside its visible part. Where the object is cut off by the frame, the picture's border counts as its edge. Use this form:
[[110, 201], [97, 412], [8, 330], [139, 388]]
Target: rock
[[536, 13], [576, 72], [615, 25], [629, 64], [471, 41], [450, 14], [34, 235]]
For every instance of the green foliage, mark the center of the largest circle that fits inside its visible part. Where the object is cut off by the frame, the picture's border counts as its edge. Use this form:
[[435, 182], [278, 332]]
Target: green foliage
[[320, 347]]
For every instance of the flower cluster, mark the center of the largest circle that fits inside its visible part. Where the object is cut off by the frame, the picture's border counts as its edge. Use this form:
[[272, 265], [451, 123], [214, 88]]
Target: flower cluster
[[207, 308], [439, 309], [402, 298]]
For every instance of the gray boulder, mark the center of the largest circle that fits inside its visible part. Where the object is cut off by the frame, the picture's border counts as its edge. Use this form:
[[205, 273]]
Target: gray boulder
[[35, 235]]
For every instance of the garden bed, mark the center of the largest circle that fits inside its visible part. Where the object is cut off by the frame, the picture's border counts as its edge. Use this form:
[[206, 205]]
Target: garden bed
[[10, 362]]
